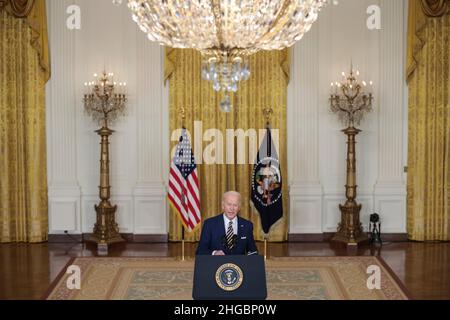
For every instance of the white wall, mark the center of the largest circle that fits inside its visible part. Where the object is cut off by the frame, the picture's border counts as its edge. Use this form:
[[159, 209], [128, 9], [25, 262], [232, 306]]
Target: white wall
[[108, 39], [139, 148], [317, 164]]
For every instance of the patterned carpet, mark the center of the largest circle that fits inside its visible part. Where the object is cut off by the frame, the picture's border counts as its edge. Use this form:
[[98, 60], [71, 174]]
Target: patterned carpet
[[299, 278]]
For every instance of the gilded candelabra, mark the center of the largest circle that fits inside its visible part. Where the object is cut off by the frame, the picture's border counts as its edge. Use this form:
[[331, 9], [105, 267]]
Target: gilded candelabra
[[105, 101], [350, 102]]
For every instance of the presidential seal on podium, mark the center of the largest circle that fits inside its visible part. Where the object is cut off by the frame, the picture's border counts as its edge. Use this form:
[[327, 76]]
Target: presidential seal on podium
[[229, 277]]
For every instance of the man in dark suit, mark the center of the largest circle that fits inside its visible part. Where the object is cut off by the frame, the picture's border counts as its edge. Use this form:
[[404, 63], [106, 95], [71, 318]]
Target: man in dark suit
[[227, 234]]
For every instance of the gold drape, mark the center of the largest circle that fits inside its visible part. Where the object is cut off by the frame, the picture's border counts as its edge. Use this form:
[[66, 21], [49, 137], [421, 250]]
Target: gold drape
[[23, 74], [35, 15], [429, 121], [19, 8], [434, 8], [267, 86]]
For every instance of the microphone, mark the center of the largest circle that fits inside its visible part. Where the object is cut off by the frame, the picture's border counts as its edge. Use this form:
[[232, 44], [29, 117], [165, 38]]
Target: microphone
[[223, 240], [230, 246], [234, 241]]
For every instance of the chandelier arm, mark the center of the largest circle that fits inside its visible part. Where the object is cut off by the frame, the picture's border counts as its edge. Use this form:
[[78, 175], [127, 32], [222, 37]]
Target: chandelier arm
[[358, 91], [366, 103], [98, 110], [281, 14], [360, 108], [338, 105], [346, 94], [98, 94], [217, 21], [107, 111], [353, 97], [105, 107]]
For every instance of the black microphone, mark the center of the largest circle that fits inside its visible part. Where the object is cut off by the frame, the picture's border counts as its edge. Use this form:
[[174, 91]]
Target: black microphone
[[234, 240], [230, 246], [224, 241]]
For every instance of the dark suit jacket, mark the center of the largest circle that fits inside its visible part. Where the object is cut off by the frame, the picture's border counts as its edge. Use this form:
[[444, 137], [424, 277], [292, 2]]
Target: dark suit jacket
[[213, 237]]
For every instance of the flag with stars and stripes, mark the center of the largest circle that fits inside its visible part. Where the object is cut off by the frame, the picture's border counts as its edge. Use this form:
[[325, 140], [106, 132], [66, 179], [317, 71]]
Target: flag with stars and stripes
[[184, 188]]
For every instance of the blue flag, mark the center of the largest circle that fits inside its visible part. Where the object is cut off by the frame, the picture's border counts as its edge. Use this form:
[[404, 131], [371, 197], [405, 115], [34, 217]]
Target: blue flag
[[266, 184]]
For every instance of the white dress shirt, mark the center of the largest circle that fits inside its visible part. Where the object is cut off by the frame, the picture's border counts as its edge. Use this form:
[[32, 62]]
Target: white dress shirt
[[227, 222]]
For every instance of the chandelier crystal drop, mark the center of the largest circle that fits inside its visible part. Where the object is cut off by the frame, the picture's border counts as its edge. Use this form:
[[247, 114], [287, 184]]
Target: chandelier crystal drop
[[225, 31], [225, 76]]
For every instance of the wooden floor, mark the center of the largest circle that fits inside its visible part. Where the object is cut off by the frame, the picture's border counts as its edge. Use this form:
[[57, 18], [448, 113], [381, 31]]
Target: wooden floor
[[26, 271]]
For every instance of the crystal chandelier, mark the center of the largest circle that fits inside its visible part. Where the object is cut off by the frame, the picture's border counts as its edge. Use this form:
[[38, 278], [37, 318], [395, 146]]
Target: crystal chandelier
[[225, 31]]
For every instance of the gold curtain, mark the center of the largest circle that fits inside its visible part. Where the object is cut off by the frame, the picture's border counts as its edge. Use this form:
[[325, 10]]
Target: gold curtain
[[429, 120], [434, 8], [35, 15], [267, 86], [24, 70]]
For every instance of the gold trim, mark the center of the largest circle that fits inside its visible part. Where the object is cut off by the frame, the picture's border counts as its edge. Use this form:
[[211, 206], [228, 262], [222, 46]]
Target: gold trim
[[237, 284]]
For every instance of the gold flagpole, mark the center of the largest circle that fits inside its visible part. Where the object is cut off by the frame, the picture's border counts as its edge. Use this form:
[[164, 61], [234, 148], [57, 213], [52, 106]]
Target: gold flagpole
[[182, 246], [268, 112], [265, 248], [183, 120]]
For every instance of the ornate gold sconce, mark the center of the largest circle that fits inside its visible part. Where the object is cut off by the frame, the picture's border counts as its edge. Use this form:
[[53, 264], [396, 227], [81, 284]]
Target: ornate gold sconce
[[350, 103], [105, 102]]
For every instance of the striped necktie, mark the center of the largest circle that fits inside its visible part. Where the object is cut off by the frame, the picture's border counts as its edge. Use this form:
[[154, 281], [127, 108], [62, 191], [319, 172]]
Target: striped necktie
[[230, 235]]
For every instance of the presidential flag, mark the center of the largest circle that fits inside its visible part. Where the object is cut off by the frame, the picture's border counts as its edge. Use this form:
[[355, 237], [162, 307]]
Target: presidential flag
[[184, 188], [266, 184]]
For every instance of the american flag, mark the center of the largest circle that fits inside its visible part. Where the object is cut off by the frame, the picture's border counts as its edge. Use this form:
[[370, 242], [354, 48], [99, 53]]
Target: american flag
[[183, 184]]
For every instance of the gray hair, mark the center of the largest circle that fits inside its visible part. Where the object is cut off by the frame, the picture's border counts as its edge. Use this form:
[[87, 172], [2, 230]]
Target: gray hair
[[231, 193]]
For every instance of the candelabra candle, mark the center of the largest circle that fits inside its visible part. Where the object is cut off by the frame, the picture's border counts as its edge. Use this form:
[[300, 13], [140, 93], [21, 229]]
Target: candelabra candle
[[349, 99]]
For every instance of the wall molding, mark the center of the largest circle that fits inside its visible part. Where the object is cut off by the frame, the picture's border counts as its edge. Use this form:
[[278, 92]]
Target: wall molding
[[317, 147], [64, 191], [138, 151], [150, 209]]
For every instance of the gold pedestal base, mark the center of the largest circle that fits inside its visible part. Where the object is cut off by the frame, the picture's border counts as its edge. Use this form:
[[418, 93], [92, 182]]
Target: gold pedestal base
[[106, 230], [350, 230]]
